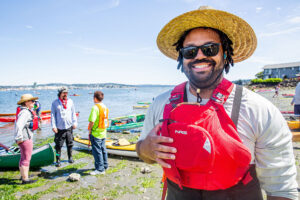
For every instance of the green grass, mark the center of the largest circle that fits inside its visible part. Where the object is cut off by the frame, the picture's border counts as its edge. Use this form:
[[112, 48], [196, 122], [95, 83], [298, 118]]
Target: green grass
[[147, 182], [134, 171], [121, 165], [38, 195], [43, 142], [82, 154], [117, 192], [81, 194], [67, 169], [8, 186]]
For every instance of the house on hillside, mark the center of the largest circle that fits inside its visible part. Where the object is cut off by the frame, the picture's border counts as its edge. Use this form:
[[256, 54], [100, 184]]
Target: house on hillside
[[284, 70]]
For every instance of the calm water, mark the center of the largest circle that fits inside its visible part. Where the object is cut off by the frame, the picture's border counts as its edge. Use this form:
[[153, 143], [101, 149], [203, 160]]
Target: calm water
[[119, 102]]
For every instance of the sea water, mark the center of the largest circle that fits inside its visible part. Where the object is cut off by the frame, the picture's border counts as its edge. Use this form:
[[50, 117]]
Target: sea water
[[119, 101]]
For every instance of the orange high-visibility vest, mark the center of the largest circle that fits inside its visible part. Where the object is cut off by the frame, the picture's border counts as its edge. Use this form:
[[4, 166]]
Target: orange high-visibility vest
[[103, 116]]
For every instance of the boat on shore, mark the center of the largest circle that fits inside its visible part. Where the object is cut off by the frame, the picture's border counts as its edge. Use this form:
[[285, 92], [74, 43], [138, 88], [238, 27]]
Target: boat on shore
[[113, 147], [288, 95], [44, 116], [126, 122], [14, 114], [141, 107], [41, 156]]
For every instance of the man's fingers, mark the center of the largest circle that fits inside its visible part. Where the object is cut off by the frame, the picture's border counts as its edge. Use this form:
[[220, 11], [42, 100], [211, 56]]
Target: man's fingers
[[164, 148], [162, 163]]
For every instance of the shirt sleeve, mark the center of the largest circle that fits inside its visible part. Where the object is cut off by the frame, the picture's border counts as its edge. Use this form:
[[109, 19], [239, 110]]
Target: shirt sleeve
[[74, 118], [20, 124], [93, 115], [274, 158], [53, 115]]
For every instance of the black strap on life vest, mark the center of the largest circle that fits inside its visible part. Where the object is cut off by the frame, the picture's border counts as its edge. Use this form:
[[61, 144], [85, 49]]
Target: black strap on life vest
[[235, 112]]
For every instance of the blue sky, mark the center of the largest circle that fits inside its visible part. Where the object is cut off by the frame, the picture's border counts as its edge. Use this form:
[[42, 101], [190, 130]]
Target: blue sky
[[98, 41]]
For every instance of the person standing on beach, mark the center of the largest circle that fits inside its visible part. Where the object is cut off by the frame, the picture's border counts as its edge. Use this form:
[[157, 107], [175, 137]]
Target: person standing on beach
[[214, 139], [25, 124], [98, 122], [296, 98], [63, 121], [277, 87]]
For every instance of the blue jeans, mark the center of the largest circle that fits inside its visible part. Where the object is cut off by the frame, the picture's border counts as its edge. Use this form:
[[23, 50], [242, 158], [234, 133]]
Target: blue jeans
[[297, 109], [99, 153]]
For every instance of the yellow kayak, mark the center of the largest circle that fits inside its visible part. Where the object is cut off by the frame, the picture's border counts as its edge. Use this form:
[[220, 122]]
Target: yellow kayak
[[294, 125], [141, 107], [114, 147], [296, 136]]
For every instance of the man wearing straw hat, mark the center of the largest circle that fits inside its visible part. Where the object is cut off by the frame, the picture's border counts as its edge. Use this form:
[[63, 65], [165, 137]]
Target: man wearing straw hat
[[216, 140], [296, 98]]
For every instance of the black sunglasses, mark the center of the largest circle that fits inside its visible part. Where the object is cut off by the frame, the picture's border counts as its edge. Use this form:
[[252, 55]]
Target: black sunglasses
[[208, 50]]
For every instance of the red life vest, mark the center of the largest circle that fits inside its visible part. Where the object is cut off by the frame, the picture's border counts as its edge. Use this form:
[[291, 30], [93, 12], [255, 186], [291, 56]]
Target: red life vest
[[210, 154], [34, 123]]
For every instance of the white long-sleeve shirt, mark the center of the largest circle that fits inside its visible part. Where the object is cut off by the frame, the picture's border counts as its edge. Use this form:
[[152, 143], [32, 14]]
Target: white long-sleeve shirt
[[262, 129]]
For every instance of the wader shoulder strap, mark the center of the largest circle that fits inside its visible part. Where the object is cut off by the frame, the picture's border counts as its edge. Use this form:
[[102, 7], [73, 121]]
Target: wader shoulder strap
[[236, 104]]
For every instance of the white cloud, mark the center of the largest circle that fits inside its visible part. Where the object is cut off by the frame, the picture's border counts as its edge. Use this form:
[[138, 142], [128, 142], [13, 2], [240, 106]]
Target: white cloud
[[258, 9], [278, 8], [287, 31], [28, 26], [294, 20]]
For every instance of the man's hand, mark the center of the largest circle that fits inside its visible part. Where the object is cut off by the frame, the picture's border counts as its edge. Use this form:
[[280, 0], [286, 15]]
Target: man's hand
[[151, 148], [19, 142], [74, 126], [55, 130]]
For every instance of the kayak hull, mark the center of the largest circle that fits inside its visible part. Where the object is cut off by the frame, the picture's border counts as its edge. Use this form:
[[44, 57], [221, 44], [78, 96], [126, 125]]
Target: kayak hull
[[127, 150], [41, 156]]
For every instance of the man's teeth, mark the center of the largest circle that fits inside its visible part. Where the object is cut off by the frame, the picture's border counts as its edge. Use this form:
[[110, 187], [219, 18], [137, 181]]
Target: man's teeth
[[200, 66]]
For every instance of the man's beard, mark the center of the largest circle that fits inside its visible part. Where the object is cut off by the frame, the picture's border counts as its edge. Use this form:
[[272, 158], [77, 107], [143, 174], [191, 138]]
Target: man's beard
[[206, 82]]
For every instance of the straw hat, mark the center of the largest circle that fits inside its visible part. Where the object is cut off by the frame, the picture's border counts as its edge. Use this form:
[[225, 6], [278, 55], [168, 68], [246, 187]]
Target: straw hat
[[238, 31], [26, 97]]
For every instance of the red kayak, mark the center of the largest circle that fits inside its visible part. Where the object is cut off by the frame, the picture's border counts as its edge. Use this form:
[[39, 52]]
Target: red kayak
[[44, 116], [14, 114], [288, 95], [287, 112]]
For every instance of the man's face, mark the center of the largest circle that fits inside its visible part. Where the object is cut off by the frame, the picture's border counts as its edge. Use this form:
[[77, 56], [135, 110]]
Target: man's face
[[202, 71], [64, 95]]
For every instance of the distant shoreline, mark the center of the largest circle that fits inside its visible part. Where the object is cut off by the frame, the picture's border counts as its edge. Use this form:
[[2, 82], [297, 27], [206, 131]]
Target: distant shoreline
[[55, 86]]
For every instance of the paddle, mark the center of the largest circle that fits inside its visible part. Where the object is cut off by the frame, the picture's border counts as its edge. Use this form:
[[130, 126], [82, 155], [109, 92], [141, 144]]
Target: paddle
[[6, 148]]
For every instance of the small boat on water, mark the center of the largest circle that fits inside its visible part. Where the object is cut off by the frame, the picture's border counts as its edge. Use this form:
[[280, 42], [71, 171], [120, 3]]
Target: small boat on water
[[44, 116], [74, 95], [41, 156], [14, 114], [141, 107], [113, 146], [288, 95], [144, 103], [126, 122]]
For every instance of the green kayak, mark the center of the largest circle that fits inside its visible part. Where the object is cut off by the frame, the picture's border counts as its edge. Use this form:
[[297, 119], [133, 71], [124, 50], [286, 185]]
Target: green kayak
[[126, 122], [147, 103], [41, 156]]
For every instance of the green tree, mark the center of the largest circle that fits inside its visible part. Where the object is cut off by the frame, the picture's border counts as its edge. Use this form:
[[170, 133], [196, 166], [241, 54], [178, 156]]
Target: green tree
[[259, 75]]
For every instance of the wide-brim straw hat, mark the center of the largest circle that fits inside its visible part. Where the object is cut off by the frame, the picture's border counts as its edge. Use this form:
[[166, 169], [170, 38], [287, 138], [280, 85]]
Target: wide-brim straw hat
[[26, 97], [238, 31]]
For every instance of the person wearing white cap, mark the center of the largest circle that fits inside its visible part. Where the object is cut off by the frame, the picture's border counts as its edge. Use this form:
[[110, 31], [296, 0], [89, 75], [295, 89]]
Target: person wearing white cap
[[63, 121], [26, 123], [214, 139], [296, 98]]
